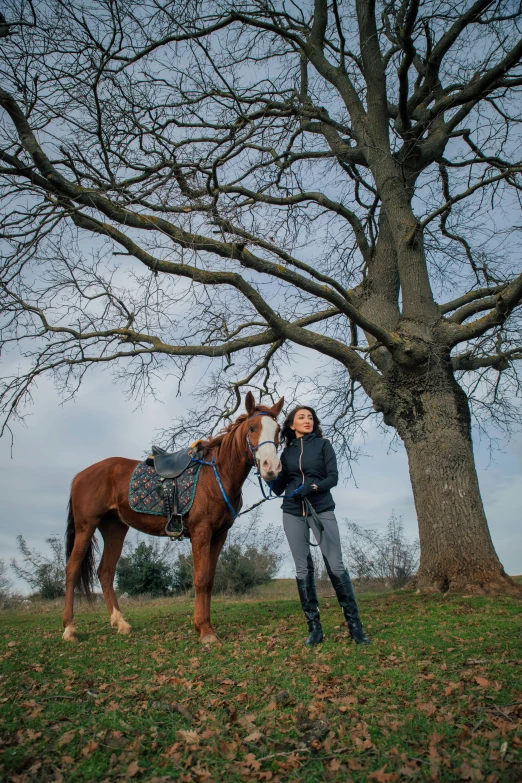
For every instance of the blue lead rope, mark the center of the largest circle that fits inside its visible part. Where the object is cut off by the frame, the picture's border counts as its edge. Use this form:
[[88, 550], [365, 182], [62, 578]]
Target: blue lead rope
[[235, 514], [213, 465]]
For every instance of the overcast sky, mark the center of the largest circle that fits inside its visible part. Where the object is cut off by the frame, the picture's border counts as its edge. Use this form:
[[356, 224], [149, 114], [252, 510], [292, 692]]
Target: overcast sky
[[60, 440]]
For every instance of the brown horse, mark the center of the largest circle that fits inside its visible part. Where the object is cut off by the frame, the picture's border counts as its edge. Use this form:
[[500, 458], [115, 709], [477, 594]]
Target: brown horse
[[99, 501]]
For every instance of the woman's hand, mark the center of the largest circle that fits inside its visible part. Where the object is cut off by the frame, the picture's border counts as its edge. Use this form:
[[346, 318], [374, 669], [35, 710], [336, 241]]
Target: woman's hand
[[303, 490]]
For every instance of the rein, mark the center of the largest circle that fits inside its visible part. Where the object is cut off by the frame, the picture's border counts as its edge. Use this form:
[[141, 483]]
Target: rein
[[253, 450], [310, 511]]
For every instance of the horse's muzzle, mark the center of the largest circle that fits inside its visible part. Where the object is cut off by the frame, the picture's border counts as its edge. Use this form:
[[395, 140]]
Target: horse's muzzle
[[270, 474]]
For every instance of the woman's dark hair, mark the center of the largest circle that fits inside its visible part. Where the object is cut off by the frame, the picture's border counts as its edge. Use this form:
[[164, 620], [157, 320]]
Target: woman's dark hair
[[287, 434]]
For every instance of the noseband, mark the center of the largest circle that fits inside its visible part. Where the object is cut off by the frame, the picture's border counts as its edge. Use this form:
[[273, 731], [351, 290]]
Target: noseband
[[253, 449]]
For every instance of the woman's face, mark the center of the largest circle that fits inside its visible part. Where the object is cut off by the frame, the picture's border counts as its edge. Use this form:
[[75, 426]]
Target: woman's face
[[303, 423]]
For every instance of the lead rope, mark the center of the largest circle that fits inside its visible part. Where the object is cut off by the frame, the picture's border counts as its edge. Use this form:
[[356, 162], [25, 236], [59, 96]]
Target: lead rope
[[310, 510]]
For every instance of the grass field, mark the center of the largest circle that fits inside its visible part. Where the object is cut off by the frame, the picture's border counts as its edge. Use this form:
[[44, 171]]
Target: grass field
[[437, 696]]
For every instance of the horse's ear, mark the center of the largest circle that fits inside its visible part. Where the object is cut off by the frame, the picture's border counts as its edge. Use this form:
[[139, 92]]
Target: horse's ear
[[276, 409], [250, 403]]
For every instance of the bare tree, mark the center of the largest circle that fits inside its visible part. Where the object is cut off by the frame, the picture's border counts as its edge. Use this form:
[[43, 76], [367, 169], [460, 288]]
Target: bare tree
[[5, 583], [45, 573], [236, 180], [388, 557]]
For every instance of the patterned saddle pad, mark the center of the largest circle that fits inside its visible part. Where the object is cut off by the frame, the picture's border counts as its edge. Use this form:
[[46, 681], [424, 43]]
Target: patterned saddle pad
[[147, 489]]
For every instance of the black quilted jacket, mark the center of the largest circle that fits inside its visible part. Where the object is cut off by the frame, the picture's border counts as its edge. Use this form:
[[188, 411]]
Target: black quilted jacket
[[307, 460]]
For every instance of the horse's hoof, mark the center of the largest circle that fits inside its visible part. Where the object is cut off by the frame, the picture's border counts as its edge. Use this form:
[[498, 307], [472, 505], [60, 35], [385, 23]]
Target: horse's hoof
[[209, 638], [69, 635], [125, 629]]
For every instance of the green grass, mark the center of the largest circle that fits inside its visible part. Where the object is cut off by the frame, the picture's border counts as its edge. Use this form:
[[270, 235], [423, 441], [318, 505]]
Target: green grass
[[437, 696]]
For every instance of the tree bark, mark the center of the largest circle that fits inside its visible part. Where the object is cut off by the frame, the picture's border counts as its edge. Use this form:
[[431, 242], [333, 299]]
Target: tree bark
[[457, 553]]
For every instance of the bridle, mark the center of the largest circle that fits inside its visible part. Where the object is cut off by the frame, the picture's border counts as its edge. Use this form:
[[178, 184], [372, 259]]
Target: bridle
[[251, 448]]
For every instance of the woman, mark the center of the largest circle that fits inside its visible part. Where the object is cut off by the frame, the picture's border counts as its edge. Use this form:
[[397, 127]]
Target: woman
[[309, 473]]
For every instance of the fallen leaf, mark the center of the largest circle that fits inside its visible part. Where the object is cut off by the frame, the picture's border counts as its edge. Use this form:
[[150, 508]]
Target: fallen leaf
[[132, 769], [482, 681], [66, 738], [428, 708], [228, 749], [380, 776], [89, 749], [435, 738], [189, 736], [12, 644], [467, 772], [410, 769], [251, 761], [254, 737]]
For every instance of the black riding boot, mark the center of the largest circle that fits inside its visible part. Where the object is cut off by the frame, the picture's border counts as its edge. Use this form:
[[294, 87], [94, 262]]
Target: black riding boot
[[310, 604], [343, 587]]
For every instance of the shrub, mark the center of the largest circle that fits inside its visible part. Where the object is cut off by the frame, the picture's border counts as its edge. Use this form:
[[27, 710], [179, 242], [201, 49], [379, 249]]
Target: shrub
[[241, 569], [389, 557], [145, 569], [249, 558], [44, 573], [183, 573]]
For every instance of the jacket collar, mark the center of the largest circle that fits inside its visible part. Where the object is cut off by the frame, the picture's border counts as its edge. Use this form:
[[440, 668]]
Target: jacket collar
[[306, 438]]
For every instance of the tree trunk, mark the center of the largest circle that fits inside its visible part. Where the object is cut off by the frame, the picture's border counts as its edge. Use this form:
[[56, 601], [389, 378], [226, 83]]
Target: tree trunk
[[457, 553]]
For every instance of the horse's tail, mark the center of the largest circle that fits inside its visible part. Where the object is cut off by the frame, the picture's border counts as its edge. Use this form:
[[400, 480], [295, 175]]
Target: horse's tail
[[88, 569]]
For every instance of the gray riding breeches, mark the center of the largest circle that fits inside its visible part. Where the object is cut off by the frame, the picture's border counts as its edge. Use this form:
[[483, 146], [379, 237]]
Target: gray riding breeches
[[298, 534]]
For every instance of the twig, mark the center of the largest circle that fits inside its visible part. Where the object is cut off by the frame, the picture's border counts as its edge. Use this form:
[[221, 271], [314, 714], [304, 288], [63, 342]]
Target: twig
[[504, 715]]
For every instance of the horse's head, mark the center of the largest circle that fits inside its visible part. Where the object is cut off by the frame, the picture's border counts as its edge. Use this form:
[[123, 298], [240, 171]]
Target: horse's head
[[263, 436]]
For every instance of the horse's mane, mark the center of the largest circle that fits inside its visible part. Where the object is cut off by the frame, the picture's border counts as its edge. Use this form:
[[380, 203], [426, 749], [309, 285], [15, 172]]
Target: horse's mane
[[230, 429]]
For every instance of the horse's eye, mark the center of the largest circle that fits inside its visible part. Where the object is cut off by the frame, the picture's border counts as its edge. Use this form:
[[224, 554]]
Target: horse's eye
[[251, 429]]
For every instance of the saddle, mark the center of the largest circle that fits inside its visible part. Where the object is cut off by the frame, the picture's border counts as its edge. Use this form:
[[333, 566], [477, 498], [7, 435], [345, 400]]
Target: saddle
[[172, 466]]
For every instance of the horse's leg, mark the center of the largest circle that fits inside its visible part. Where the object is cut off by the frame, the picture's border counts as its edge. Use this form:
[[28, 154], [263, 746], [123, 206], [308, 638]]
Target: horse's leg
[[205, 553], [83, 535], [113, 532]]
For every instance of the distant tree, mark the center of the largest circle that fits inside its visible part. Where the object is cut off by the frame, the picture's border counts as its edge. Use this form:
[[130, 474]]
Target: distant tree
[[387, 556], [183, 573], [44, 573], [145, 569], [5, 583]]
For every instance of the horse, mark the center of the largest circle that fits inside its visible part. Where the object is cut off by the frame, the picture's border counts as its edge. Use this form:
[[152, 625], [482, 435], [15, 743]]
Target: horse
[[99, 501]]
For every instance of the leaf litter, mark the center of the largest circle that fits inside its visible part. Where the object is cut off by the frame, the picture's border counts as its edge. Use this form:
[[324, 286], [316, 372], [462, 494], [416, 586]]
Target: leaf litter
[[437, 697]]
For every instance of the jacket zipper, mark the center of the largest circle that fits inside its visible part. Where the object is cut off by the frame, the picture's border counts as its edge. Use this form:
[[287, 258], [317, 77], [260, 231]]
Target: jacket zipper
[[302, 474]]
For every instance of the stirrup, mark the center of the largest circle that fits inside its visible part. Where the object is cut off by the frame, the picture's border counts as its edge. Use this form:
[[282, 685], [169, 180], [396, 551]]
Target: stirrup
[[176, 533]]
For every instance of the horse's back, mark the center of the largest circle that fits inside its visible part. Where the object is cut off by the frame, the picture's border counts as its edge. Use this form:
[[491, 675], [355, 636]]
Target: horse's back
[[109, 466], [100, 486]]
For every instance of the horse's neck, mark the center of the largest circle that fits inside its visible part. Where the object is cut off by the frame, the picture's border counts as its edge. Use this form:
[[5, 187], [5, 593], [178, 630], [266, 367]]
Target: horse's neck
[[234, 465]]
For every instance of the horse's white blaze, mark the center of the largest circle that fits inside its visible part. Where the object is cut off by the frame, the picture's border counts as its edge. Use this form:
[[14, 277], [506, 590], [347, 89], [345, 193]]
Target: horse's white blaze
[[117, 621], [266, 455]]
